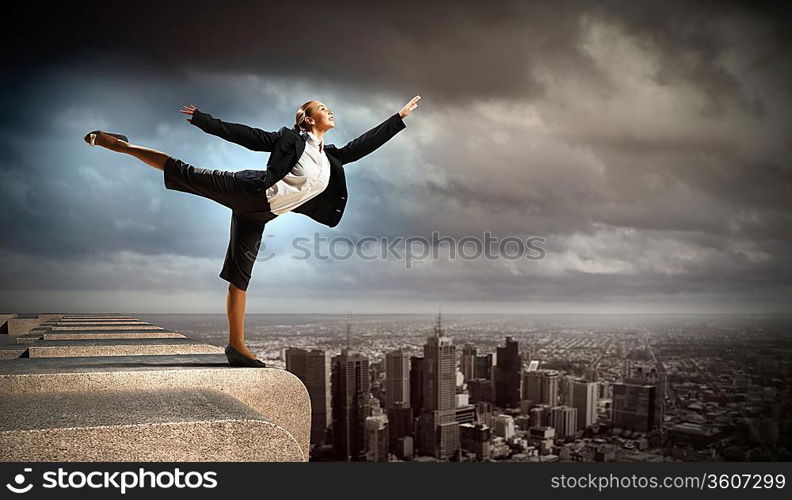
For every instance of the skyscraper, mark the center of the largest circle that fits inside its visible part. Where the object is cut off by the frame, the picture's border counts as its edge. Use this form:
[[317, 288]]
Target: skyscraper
[[504, 426], [650, 375], [565, 383], [507, 375], [439, 430], [351, 406], [634, 407], [541, 386], [377, 439], [484, 366], [468, 363], [313, 369], [480, 389], [584, 399], [416, 384], [564, 420], [400, 426], [476, 438], [397, 378], [484, 413]]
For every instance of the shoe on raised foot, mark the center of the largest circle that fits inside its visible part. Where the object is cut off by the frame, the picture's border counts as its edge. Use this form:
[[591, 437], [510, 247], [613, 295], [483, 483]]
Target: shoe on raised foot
[[236, 358], [90, 137]]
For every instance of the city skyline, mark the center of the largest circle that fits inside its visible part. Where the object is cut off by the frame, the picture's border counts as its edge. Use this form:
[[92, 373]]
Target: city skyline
[[680, 389]]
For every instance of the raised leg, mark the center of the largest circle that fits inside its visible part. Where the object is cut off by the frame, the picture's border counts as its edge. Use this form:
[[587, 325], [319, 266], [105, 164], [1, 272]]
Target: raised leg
[[149, 156]]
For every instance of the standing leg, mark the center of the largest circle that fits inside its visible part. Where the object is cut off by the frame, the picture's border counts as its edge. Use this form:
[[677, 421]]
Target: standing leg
[[243, 247], [235, 307]]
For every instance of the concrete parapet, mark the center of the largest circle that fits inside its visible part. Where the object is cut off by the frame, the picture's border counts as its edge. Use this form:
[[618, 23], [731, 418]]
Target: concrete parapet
[[139, 425], [277, 395]]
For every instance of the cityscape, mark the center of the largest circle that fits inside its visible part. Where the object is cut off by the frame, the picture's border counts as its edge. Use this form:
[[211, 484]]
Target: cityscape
[[532, 388]]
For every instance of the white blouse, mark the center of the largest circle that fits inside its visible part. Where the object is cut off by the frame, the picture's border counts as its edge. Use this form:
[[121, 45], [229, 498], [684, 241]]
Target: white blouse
[[307, 179]]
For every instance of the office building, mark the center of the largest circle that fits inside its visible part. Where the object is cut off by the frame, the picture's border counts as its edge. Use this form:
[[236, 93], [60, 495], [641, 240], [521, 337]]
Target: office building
[[468, 362], [484, 364], [480, 389], [541, 386], [507, 375], [564, 420], [476, 438], [584, 399], [633, 407], [377, 439], [416, 384], [397, 378], [504, 426], [313, 369], [350, 404], [439, 430]]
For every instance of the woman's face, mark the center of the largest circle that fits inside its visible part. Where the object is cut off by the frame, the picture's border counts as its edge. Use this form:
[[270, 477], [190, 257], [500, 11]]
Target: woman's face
[[322, 118]]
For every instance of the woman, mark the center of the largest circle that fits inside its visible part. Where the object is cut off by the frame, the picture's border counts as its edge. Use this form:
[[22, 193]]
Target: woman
[[303, 175]]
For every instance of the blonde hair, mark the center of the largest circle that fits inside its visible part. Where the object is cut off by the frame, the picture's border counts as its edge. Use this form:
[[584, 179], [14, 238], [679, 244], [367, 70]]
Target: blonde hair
[[305, 111]]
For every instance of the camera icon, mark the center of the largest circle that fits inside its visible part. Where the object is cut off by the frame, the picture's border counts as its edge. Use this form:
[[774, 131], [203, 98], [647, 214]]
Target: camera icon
[[19, 480]]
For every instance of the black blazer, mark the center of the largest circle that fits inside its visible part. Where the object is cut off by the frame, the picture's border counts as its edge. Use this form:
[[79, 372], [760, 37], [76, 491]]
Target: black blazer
[[287, 146]]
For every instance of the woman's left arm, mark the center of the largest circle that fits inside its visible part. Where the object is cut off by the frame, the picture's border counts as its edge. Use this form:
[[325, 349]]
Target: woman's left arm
[[379, 135]]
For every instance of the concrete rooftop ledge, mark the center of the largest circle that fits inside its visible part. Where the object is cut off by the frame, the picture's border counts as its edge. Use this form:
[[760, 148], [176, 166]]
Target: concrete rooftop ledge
[[139, 425], [152, 390]]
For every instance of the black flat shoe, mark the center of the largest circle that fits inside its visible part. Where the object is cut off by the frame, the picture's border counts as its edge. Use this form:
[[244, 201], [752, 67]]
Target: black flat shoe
[[90, 137], [236, 358]]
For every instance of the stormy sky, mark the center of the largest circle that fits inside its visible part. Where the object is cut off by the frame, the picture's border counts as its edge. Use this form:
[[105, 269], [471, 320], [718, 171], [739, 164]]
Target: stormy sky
[[647, 143]]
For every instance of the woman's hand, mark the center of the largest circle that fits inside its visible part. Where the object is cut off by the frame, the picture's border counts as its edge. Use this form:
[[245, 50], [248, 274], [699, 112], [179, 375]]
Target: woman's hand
[[405, 111], [188, 110]]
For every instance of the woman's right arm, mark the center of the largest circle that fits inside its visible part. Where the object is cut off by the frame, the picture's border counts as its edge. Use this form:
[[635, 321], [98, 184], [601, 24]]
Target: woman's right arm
[[252, 138]]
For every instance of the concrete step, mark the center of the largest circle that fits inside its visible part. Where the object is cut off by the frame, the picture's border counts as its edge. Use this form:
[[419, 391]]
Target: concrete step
[[4, 322], [139, 425], [92, 325], [93, 320], [20, 324], [11, 351], [277, 395], [118, 347], [29, 338], [105, 327], [105, 334], [96, 316]]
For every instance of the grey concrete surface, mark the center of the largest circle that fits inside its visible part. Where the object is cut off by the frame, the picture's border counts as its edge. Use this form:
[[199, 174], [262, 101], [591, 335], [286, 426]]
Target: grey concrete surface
[[279, 396], [105, 334], [139, 425], [91, 378], [11, 351], [118, 347], [105, 327]]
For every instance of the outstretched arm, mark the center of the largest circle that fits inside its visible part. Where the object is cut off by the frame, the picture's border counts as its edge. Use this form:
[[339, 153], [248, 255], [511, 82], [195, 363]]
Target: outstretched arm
[[379, 135], [252, 138]]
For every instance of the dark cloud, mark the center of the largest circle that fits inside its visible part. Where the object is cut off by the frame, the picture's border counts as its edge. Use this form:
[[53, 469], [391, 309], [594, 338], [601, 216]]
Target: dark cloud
[[447, 49]]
